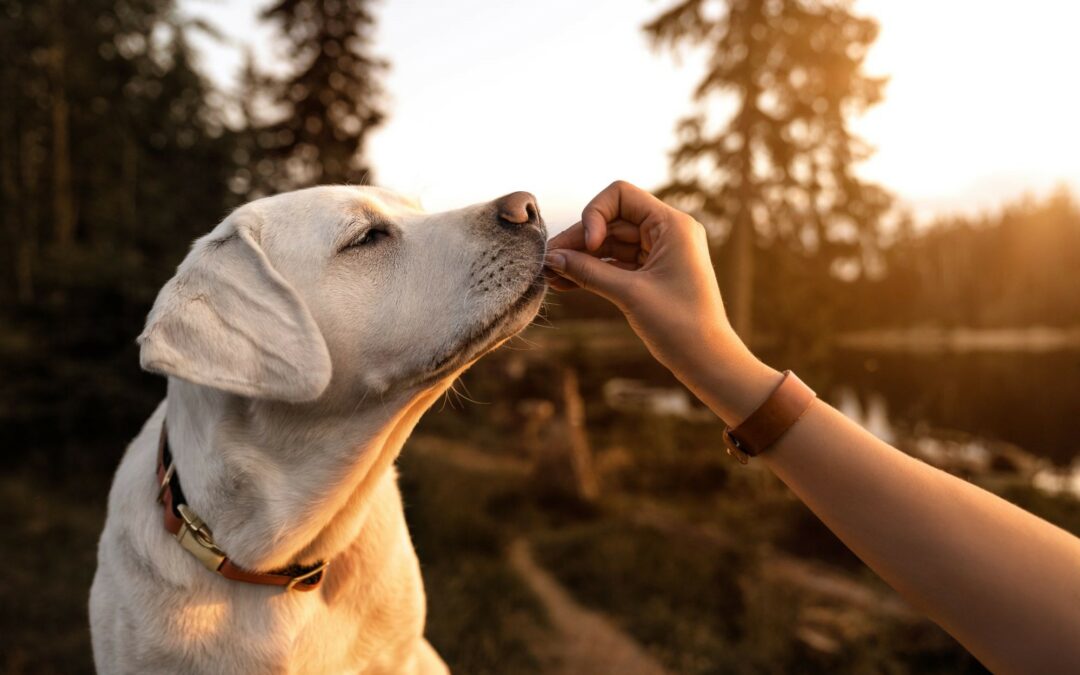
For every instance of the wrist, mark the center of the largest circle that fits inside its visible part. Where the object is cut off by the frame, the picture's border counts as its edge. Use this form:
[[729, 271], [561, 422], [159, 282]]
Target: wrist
[[731, 380]]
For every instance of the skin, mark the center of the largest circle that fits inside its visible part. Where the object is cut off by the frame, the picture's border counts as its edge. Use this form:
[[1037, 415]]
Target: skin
[[1003, 582]]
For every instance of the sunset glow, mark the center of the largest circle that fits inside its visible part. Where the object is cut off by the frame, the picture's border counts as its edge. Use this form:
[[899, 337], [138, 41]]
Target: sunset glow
[[560, 98], [981, 104]]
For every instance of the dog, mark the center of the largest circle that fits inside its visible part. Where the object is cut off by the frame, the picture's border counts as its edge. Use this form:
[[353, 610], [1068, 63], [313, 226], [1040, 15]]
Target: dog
[[254, 524]]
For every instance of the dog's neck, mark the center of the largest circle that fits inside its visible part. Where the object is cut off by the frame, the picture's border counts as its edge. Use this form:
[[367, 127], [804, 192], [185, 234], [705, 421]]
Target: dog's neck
[[282, 484]]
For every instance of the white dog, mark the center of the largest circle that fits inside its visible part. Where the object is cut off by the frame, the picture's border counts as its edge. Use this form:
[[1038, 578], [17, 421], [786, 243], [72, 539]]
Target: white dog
[[303, 338]]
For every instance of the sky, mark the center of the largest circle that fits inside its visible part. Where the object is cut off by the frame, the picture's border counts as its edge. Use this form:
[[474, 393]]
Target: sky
[[563, 96]]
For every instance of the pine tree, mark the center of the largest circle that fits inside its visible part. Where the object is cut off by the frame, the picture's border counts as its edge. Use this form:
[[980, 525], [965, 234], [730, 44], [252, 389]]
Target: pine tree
[[327, 108], [780, 169], [112, 158]]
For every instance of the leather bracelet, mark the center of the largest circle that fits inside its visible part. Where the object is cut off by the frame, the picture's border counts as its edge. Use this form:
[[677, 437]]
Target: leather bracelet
[[788, 402]]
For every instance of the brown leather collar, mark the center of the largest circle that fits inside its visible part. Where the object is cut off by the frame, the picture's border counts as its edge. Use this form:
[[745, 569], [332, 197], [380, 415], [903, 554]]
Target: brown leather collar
[[196, 538]]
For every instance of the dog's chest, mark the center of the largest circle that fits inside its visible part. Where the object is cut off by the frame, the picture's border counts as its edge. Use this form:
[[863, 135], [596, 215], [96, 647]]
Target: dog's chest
[[352, 624]]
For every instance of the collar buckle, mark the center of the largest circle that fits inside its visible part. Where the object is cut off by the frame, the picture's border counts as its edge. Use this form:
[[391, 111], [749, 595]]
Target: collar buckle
[[197, 539]]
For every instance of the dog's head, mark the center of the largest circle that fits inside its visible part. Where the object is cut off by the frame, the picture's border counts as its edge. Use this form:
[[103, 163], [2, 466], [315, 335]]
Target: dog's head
[[351, 284]]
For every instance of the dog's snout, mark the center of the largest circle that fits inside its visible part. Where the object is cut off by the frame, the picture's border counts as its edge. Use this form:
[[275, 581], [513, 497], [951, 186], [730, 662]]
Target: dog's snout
[[517, 209]]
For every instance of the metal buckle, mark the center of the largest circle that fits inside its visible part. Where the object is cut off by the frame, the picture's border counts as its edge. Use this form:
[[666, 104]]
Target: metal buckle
[[734, 448], [195, 536], [306, 575]]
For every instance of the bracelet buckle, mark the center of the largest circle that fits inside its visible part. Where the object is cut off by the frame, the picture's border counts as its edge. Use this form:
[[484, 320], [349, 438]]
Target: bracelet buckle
[[734, 448]]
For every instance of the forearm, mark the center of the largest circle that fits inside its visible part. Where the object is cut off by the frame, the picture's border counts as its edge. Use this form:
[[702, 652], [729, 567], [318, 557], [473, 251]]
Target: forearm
[[1003, 582]]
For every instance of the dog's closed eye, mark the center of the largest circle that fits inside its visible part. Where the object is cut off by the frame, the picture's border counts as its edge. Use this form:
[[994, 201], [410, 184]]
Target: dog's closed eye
[[369, 237]]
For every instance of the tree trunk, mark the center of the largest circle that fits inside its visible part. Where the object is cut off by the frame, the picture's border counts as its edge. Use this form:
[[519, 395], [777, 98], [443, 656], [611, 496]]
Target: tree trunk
[[586, 484], [27, 237], [742, 275], [743, 232], [14, 214], [563, 465], [130, 168], [63, 211]]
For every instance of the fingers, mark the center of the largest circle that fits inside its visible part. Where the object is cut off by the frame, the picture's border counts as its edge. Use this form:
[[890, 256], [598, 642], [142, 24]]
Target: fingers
[[564, 284], [620, 254], [574, 236], [621, 246], [618, 201], [618, 250], [603, 278], [558, 283], [561, 284]]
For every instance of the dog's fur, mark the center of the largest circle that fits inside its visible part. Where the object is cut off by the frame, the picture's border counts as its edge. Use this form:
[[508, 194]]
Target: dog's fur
[[298, 365]]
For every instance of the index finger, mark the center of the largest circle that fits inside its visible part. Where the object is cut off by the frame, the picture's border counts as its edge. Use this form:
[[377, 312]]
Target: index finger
[[618, 201], [572, 237]]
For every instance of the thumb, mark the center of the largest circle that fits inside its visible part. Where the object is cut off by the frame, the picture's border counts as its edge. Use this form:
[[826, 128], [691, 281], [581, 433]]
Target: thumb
[[590, 273]]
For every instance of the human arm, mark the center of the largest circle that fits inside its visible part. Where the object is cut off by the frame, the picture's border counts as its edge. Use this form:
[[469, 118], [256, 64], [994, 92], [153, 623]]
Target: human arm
[[1003, 582]]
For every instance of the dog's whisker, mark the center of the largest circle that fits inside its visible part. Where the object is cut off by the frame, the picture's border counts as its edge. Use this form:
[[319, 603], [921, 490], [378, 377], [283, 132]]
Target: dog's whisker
[[468, 398], [446, 400]]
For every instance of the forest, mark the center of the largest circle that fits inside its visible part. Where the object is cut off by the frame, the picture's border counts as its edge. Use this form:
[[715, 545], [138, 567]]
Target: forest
[[116, 154], [117, 150]]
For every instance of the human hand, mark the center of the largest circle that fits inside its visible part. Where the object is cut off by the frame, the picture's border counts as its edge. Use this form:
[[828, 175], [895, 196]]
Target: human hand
[[651, 261]]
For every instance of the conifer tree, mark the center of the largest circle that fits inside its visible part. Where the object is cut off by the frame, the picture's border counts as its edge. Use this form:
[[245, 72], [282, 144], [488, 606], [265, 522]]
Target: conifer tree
[[779, 170], [113, 157], [331, 102]]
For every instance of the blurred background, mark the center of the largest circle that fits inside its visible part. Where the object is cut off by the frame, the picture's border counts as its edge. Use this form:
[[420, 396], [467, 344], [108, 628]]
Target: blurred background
[[891, 193]]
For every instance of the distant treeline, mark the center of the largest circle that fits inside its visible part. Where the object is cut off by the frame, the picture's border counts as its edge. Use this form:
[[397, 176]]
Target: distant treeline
[[1017, 267], [115, 153]]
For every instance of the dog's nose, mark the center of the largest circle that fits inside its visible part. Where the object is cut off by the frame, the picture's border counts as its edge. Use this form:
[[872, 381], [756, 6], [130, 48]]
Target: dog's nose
[[517, 209]]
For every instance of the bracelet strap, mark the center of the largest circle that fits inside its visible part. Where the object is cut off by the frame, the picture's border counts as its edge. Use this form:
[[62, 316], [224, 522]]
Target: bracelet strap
[[767, 424]]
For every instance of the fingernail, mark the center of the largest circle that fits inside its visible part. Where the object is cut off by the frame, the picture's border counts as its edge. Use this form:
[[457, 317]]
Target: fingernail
[[556, 261]]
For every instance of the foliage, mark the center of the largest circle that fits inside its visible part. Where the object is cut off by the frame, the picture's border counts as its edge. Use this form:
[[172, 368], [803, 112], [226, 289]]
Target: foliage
[[114, 155], [112, 159], [480, 616], [1014, 268], [323, 112], [780, 170], [681, 602], [49, 545]]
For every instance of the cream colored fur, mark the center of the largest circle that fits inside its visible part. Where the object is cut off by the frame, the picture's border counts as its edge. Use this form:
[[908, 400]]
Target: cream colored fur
[[297, 368]]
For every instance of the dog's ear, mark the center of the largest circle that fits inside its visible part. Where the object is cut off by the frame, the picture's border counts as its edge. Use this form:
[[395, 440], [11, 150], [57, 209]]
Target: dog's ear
[[229, 320]]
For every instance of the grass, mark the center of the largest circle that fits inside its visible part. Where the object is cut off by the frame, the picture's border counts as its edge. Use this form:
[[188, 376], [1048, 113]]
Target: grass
[[481, 618], [49, 541], [702, 610], [678, 600]]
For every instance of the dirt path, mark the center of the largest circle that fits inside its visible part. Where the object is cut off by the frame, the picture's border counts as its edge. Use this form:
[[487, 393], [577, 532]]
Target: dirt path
[[590, 643], [587, 641]]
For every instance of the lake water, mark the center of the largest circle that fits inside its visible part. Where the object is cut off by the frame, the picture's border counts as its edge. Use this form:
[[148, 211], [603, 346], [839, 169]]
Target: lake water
[[1026, 399], [1031, 400]]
